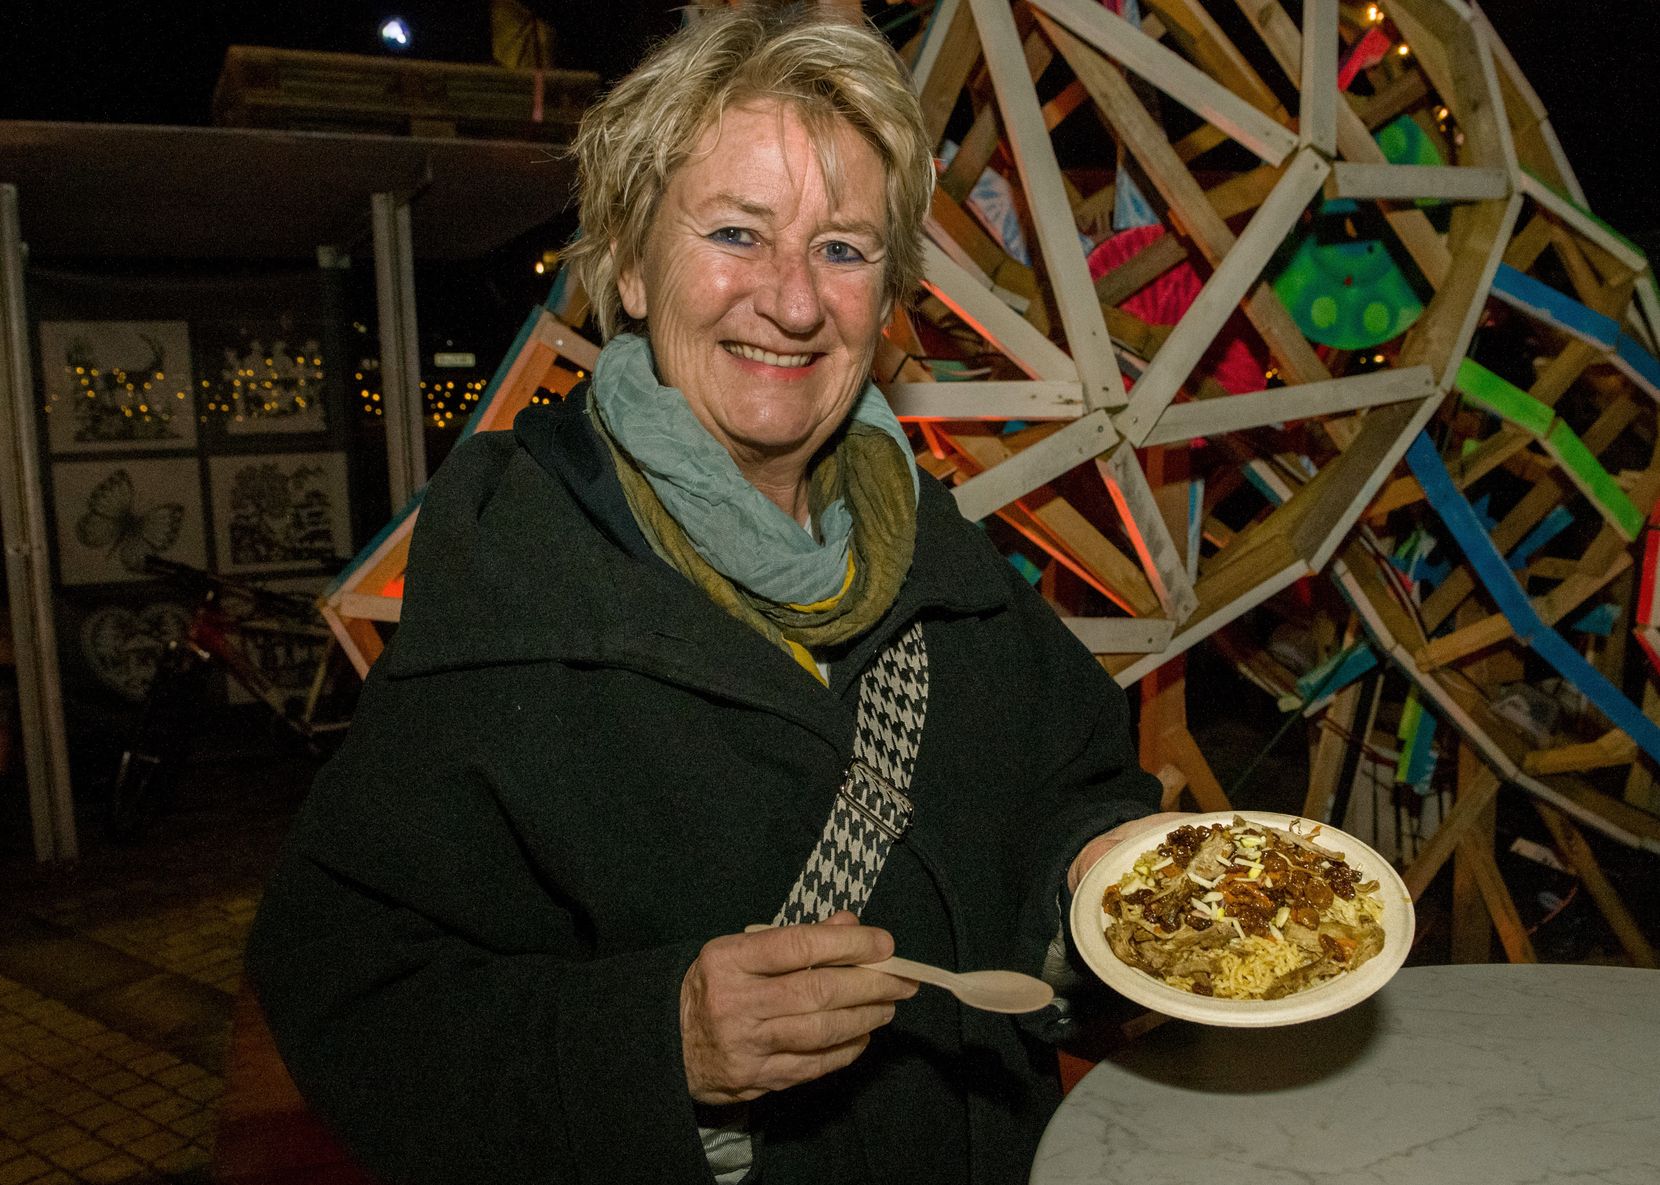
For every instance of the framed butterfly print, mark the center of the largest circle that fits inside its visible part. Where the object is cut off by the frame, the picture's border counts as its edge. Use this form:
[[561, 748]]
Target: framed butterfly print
[[112, 515], [275, 511], [117, 385]]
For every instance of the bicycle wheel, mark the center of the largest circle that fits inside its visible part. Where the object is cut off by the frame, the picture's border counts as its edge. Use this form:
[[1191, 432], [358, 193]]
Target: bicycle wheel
[[153, 759]]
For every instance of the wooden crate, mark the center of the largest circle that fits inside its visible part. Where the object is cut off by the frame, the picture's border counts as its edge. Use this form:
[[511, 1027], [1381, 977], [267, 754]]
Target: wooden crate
[[306, 91]]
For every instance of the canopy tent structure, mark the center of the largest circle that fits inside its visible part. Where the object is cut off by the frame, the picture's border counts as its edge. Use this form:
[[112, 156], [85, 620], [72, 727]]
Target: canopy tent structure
[[212, 195]]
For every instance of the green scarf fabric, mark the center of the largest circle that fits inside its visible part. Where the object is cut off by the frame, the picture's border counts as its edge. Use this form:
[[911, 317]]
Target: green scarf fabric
[[700, 514]]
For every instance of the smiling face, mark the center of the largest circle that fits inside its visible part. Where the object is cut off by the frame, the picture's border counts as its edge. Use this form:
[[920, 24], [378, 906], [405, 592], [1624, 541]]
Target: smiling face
[[762, 295]]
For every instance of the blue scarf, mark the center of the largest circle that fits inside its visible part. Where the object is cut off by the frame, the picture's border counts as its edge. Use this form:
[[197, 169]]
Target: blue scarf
[[734, 527]]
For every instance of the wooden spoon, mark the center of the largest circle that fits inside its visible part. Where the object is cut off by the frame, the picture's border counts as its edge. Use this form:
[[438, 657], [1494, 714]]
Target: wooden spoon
[[991, 991]]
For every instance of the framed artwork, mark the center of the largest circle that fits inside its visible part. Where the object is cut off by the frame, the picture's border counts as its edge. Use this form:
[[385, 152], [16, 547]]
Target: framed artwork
[[254, 384], [279, 510], [112, 515], [117, 385], [122, 644], [289, 656]]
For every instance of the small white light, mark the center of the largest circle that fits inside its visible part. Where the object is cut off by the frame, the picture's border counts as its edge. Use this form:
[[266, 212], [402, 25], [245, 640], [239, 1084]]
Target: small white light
[[394, 33]]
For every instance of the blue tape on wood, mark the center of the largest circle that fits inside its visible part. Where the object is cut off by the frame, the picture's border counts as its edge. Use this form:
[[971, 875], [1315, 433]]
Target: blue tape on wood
[[1261, 486], [559, 291], [1638, 363], [1448, 502], [1523, 291], [1416, 764], [496, 380], [368, 549], [1599, 621], [1195, 524], [1029, 572], [1553, 524], [1336, 673]]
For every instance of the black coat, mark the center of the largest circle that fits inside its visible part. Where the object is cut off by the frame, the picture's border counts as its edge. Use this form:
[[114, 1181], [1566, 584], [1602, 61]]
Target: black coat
[[570, 770]]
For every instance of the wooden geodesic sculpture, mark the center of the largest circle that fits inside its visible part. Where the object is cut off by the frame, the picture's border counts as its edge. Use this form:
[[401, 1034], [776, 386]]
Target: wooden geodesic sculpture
[[1223, 306], [1368, 202]]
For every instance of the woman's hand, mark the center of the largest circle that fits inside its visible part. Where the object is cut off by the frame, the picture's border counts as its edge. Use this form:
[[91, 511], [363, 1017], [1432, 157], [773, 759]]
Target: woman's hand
[[766, 1010], [1107, 840]]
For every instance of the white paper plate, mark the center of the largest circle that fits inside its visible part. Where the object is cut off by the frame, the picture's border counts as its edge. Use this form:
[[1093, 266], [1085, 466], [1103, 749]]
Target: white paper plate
[[1346, 990]]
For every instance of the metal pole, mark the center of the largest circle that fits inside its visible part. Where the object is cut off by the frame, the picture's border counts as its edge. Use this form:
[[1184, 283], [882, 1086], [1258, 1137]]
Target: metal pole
[[28, 575], [400, 347]]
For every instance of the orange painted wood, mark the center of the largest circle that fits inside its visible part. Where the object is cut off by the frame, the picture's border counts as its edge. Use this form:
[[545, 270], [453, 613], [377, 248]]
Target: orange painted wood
[[266, 1134]]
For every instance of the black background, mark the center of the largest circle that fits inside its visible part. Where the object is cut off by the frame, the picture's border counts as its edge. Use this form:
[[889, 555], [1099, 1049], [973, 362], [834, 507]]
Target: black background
[[1595, 65]]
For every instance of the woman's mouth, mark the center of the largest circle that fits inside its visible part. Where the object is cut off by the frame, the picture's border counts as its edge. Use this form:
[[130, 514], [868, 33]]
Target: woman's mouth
[[756, 354]]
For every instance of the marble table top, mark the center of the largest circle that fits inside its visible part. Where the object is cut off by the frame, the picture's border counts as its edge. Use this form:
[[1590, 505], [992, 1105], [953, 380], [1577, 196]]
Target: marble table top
[[1471, 1075]]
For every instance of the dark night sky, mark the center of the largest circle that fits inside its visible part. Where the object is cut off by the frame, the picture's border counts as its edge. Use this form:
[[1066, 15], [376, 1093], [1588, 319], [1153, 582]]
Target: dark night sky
[[1594, 64]]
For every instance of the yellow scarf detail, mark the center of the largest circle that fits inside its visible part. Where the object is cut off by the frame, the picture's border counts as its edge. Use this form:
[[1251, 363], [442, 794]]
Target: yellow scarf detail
[[868, 470]]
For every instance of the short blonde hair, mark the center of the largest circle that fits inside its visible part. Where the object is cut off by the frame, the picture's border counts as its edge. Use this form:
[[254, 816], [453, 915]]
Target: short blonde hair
[[824, 66]]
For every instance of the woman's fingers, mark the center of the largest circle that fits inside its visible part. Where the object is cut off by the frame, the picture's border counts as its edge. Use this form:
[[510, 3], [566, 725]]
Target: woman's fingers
[[781, 949], [785, 1070], [1105, 842], [772, 1008], [816, 1032]]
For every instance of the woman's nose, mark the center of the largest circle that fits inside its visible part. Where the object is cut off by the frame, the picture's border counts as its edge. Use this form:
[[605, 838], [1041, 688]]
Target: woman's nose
[[788, 295]]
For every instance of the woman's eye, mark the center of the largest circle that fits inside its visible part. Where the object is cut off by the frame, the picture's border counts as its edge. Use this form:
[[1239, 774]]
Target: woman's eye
[[837, 251], [735, 235]]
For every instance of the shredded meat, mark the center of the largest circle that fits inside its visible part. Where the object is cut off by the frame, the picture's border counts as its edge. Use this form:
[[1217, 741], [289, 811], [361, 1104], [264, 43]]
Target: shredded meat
[[1265, 882]]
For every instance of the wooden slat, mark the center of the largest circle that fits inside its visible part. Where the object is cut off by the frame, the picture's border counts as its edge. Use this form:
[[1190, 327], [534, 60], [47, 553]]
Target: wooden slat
[[1073, 539], [1611, 748], [967, 295], [942, 69], [1513, 936], [1605, 560], [1213, 417], [1191, 22], [1584, 863], [1121, 635], [1537, 144], [1189, 86], [949, 224], [1233, 278], [1354, 139], [1401, 93], [368, 607], [1408, 182], [1442, 335], [1464, 819], [1051, 214], [1225, 594], [1583, 222], [1243, 192], [1144, 139], [1336, 738], [1145, 527], [1472, 927], [1318, 111], [1043, 462], [985, 401], [1140, 269]]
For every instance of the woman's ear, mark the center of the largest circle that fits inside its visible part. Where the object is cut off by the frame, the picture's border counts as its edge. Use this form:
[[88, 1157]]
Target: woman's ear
[[631, 285]]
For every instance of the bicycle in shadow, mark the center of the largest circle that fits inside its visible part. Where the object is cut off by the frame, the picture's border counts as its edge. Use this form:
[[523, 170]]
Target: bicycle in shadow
[[232, 622]]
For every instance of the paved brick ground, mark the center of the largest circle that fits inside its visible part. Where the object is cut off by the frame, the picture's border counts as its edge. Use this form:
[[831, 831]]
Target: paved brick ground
[[117, 976]]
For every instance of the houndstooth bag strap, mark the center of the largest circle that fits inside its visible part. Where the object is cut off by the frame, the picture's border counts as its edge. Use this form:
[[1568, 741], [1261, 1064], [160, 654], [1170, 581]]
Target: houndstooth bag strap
[[871, 810]]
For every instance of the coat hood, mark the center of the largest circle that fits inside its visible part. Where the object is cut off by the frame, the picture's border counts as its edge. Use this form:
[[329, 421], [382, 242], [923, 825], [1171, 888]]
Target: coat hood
[[526, 551]]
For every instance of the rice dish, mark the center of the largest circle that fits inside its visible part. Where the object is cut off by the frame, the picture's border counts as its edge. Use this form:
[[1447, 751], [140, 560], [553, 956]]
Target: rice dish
[[1244, 912]]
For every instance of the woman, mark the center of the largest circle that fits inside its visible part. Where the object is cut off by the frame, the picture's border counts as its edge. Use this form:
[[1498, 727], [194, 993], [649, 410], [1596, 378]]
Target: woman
[[507, 941]]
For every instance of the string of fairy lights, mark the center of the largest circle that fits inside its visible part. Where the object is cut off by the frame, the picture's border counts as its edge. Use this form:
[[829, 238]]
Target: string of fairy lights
[[445, 403], [275, 385]]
